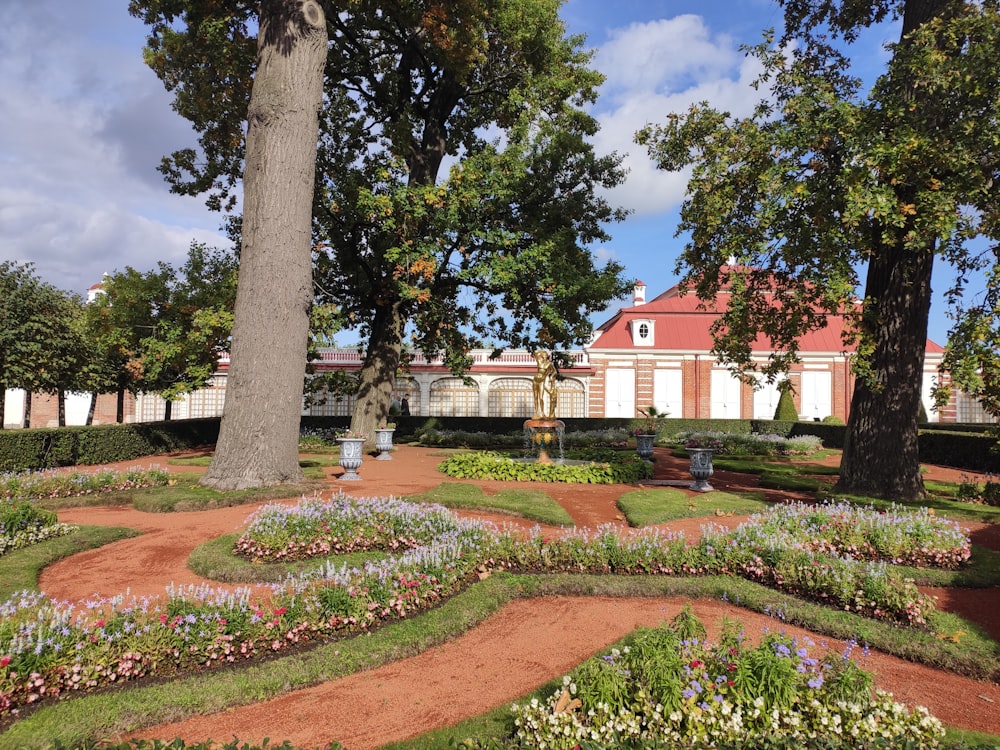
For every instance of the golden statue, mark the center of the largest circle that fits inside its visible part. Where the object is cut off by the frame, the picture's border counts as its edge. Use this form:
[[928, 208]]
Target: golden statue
[[544, 386]]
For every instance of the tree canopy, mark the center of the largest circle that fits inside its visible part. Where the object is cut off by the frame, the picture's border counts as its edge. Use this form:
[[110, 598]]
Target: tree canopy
[[41, 346], [162, 331], [826, 178], [456, 189]]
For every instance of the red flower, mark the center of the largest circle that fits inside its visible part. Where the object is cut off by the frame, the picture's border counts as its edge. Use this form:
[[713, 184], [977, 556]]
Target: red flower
[[280, 611], [4, 660]]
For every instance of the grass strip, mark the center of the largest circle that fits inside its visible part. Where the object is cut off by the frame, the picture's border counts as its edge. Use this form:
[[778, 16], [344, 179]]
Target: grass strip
[[648, 507], [534, 505]]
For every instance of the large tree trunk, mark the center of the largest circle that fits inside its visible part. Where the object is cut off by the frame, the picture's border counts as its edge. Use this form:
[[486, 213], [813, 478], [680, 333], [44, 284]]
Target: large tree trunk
[[375, 380], [3, 403], [92, 408], [119, 406], [61, 401], [168, 410], [881, 456], [258, 438]]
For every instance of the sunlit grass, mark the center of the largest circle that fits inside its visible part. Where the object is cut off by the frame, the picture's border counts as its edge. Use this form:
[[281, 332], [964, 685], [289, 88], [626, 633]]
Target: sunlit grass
[[653, 506], [533, 505]]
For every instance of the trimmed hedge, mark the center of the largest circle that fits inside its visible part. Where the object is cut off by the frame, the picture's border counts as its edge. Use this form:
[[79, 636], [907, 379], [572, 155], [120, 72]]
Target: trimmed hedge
[[961, 446], [22, 450]]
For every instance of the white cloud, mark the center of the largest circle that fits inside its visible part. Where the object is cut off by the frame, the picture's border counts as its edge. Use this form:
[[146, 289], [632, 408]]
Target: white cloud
[[654, 69], [85, 125]]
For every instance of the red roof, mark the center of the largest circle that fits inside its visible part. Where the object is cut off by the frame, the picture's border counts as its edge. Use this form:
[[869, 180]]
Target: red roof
[[679, 325]]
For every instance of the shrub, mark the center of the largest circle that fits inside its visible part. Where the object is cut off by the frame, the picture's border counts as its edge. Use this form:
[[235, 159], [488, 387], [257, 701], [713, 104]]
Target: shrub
[[785, 412], [487, 465]]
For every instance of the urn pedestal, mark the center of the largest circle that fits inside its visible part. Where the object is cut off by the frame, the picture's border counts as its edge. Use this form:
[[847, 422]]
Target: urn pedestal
[[701, 468], [350, 457], [383, 444], [644, 447]]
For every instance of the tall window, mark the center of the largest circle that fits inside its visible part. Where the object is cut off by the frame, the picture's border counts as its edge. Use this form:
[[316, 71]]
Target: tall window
[[208, 401], [969, 410], [332, 407], [572, 399], [451, 397], [511, 397]]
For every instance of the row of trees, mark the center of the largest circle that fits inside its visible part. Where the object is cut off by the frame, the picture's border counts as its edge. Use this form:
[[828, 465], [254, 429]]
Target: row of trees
[[158, 331]]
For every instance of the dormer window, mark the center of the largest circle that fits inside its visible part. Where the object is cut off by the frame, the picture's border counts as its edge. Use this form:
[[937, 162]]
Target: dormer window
[[642, 332]]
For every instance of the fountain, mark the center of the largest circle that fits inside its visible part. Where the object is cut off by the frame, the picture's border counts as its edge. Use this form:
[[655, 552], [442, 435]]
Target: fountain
[[543, 430]]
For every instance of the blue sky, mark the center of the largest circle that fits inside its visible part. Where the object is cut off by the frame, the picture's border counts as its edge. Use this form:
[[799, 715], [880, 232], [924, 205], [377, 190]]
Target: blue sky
[[86, 123]]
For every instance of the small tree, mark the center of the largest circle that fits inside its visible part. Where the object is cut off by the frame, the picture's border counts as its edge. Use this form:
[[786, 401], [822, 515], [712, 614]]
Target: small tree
[[785, 412]]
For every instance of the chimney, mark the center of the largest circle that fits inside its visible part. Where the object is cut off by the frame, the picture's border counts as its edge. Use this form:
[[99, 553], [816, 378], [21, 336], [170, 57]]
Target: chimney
[[639, 297]]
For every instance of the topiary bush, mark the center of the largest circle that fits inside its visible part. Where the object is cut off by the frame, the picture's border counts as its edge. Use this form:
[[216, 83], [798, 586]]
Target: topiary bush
[[785, 412]]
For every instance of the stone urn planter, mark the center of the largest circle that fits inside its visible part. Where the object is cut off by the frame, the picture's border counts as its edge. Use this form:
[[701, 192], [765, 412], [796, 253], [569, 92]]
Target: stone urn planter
[[701, 468], [350, 456], [644, 447], [383, 443]]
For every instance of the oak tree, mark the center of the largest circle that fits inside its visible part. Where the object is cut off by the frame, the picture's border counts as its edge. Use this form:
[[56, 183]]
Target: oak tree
[[456, 189], [825, 178]]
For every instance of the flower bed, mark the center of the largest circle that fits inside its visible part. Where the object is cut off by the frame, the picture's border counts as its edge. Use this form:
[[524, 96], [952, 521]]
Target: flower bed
[[670, 688], [48, 649], [626, 469], [53, 484], [23, 524], [316, 528], [744, 444]]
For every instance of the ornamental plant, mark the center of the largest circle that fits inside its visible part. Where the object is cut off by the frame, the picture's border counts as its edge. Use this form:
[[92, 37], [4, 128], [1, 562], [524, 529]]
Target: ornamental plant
[[53, 483], [50, 649], [314, 528], [669, 689], [23, 524], [349, 434], [624, 469], [651, 422]]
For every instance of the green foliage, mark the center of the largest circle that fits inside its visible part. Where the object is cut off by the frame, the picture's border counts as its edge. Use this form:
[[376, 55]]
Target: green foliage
[[20, 515], [22, 450], [439, 259], [41, 343], [785, 411], [161, 331], [488, 465], [653, 506], [829, 175]]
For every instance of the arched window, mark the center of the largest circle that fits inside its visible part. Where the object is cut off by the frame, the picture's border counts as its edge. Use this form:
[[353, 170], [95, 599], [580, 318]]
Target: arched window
[[572, 398], [511, 397], [451, 397]]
